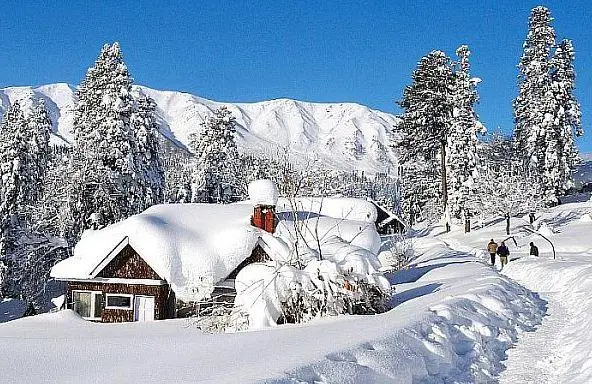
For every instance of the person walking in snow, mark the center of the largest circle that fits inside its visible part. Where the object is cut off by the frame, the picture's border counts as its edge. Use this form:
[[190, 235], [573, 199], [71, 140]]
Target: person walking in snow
[[492, 248], [534, 250], [503, 253]]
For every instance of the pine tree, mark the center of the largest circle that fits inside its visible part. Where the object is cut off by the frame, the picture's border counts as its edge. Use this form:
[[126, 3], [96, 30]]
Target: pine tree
[[215, 177], [16, 168], [567, 115], [462, 159], [148, 160], [533, 108], [24, 154], [114, 176], [427, 117], [40, 128]]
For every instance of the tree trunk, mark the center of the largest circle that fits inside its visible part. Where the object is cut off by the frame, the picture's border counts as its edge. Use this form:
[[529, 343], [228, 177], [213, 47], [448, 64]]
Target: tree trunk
[[444, 183], [507, 224], [531, 217]]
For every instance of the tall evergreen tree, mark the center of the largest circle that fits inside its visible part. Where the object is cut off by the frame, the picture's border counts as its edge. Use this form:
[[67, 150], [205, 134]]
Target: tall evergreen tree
[[40, 128], [108, 166], [24, 155], [148, 159], [426, 121], [215, 178], [15, 175], [567, 114], [462, 159], [533, 108]]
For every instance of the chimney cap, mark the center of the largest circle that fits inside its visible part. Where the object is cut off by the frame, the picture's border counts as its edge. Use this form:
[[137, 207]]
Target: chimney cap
[[263, 192]]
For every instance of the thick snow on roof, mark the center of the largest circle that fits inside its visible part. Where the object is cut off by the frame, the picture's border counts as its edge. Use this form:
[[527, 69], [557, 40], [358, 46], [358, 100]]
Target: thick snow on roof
[[263, 192], [347, 208], [318, 229], [183, 243]]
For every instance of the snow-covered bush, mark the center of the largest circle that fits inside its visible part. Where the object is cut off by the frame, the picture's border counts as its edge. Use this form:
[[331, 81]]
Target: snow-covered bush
[[396, 253], [346, 279]]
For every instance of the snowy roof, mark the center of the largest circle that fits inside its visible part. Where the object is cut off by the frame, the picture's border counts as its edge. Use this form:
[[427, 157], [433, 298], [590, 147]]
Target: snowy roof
[[390, 215], [185, 243], [347, 208], [182, 243]]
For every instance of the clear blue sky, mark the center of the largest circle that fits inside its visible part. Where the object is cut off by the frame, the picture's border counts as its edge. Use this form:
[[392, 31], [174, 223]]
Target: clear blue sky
[[321, 51]]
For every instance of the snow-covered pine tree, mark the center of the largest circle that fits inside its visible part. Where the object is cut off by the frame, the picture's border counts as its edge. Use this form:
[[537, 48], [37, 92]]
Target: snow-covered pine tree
[[13, 153], [462, 158], [567, 115], [16, 168], [107, 181], [427, 115], [24, 154], [147, 153], [215, 177], [533, 108], [40, 128]]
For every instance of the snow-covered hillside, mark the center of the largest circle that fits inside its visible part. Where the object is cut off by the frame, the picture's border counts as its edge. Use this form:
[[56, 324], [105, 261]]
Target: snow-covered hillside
[[343, 136]]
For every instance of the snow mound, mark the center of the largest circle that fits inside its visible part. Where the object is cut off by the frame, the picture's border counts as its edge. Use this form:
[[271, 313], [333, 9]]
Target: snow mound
[[263, 192], [183, 243]]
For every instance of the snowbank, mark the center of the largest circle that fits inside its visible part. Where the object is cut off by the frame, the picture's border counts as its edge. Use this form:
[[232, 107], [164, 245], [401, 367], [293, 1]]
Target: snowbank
[[183, 243], [453, 321]]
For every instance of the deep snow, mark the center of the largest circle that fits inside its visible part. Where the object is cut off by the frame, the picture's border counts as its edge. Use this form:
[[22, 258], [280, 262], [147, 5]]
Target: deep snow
[[454, 319]]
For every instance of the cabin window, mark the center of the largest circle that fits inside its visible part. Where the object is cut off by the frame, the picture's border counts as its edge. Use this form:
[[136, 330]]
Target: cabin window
[[88, 304], [119, 301]]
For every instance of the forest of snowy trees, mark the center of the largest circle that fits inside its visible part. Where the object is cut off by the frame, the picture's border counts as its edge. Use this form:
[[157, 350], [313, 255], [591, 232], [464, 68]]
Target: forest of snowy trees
[[119, 164], [454, 171]]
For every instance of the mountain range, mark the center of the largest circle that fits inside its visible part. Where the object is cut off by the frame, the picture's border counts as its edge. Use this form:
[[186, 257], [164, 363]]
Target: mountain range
[[343, 136]]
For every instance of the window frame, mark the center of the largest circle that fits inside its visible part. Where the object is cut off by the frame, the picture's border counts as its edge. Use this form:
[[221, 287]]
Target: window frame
[[130, 296], [92, 302]]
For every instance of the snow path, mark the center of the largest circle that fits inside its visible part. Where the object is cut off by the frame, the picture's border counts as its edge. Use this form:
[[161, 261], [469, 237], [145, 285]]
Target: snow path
[[535, 357]]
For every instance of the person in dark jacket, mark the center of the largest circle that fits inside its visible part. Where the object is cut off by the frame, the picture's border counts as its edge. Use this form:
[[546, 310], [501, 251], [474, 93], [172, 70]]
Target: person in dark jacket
[[503, 253], [534, 250]]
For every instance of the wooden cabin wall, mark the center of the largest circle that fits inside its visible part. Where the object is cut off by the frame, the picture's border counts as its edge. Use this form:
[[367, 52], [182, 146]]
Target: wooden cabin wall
[[164, 299], [129, 265]]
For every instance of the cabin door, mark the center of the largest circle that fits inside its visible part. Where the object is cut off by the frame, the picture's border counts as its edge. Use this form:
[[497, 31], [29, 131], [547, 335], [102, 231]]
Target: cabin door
[[144, 308]]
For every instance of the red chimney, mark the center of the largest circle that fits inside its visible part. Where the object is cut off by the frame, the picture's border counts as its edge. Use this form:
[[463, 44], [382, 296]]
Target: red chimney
[[263, 195], [264, 217]]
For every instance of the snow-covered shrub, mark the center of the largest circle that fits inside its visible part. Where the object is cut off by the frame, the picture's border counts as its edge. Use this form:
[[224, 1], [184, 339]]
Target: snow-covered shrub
[[396, 253], [220, 318], [341, 278]]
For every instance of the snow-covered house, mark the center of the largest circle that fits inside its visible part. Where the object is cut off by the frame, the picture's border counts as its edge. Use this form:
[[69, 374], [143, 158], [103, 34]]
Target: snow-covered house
[[151, 265], [387, 222], [143, 267]]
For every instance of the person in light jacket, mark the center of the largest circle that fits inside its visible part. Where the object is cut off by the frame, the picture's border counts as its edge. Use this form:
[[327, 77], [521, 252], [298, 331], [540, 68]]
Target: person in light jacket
[[492, 248]]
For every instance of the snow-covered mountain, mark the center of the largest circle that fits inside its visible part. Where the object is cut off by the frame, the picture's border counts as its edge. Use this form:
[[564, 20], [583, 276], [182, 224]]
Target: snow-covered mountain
[[343, 136]]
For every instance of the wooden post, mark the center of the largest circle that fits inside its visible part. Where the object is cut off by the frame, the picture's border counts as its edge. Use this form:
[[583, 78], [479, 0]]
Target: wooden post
[[467, 225], [444, 183], [507, 224]]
